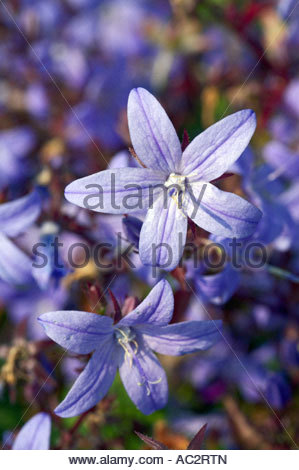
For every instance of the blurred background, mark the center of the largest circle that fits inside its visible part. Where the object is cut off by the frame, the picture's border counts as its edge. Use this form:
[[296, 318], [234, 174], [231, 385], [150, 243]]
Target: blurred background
[[66, 69]]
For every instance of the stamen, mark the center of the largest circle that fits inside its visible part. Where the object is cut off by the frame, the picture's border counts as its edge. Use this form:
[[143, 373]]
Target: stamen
[[177, 187], [126, 339], [136, 346], [122, 333], [147, 383], [128, 355], [125, 336], [155, 382]]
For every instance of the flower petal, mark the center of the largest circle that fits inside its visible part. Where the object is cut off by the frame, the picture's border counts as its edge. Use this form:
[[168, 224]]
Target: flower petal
[[285, 160], [116, 191], [92, 384], [156, 308], [182, 338], [153, 136], [15, 266], [163, 234], [219, 212], [213, 151], [218, 288], [16, 216], [145, 380], [35, 434], [79, 332]]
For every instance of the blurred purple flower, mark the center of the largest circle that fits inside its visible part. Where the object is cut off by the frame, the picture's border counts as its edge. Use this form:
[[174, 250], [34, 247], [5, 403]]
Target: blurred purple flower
[[28, 304], [15, 217], [15, 144], [291, 95], [48, 265], [250, 373], [217, 288], [278, 390], [132, 228], [36, 100], [120, 27], [288, 9], [280, 157], [46, 16]]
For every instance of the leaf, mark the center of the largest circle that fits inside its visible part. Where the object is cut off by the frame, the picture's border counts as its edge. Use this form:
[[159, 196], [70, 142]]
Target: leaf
[[197, 441], [186, 140], [151, 442], [117, 310]]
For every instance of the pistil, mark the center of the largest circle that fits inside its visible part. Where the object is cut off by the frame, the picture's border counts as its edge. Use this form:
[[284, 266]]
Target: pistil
[[126, 337]]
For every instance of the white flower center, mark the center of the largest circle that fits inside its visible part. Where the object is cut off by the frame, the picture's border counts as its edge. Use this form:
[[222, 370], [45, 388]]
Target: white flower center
[[176, 187], [124, 335], [178, 182], [126, 339]]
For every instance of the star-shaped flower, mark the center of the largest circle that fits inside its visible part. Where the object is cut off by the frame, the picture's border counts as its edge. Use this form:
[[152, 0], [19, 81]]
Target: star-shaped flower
[[173, 185], [128, 346]]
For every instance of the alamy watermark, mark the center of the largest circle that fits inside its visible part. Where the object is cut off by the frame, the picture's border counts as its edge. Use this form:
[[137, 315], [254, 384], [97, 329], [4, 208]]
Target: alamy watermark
[[136, 197], [112, 256]]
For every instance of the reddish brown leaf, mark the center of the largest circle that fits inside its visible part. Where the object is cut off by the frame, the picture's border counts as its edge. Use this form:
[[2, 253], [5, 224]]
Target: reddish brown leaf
[[151, 442], [197, 441]]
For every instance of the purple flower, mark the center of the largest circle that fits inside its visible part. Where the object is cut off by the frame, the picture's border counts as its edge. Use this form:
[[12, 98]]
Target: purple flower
[[15, 144], [217, 288], [127, 346], [36, 100], [53, 270], [15, 217], [132, 227], [283, 159], [47, 16], [174, 185], [291, 95], [289, 12], [257, 378], [35, 434], [26, 305], [278, 391], [121, 24], [290, 199], [289, 351]]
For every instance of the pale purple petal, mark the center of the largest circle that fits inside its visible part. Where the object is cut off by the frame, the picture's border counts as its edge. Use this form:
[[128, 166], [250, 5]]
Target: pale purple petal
[[145, 380], [156, 308], [92, 384], [35, 434], [290, 198], [15, 266], [153, 136], [291, 94], [219, 212], [218, 288], [16, 216], [285, 160], [18, 141], [213, 151], [163, 234], [122, 159], [116, 191], [79, 332], [182, 338]]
